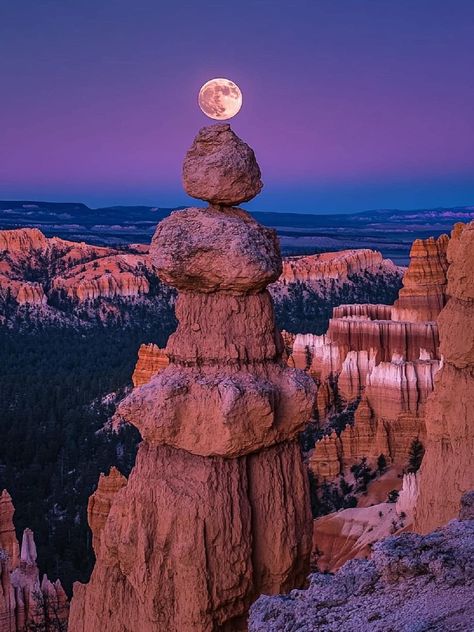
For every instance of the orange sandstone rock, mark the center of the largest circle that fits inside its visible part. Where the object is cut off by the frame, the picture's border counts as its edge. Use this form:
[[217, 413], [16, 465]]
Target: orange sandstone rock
[[151, 360], [447, 471], [100, 503], [25, 602], [216, 509], [8, 539], [333, 265], [423, 295]]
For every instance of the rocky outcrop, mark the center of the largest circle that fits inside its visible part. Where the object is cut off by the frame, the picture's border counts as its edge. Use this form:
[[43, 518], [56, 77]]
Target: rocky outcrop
[[386, 337], [350, 534], [98, 507], [410, 582], [23, 240], [216, 509], [334, 265], [447, 469], [370, 353], [8, 540], [67, 274], [387, 420], [151, 360], [25, 602], [220, 168], [423, 295]]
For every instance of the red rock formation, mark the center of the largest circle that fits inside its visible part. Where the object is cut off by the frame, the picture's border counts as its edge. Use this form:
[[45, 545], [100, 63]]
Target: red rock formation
[[24, 601], [423, 295], [388, 419], [151, 360], [80, 271], [334, 265], [100, 502], [325, 461], [369, 352], [386, 337], [107, 277], [350, 533], [216, 508], [447, 470], [8, 540]]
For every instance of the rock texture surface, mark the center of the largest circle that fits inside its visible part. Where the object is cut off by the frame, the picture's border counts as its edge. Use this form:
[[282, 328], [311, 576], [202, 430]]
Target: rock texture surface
[[220, 168], [447, 469], [26, 603], [75, 283], [384, 357], [423, 295], [412, 582], [216, 509], [334, 265], [151, 360]]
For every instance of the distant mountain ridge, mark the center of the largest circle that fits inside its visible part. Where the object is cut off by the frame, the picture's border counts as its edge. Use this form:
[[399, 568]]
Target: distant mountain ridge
[[389, 230]]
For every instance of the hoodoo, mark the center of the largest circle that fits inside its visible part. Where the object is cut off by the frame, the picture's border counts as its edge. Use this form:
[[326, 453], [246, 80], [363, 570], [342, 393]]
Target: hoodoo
[[447, 472], [216, 509]]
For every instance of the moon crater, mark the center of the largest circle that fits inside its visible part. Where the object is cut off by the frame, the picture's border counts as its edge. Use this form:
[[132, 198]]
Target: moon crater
[[220, 99]]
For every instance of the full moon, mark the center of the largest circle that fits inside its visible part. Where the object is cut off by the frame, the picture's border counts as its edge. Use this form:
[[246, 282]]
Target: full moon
[[220, 99]]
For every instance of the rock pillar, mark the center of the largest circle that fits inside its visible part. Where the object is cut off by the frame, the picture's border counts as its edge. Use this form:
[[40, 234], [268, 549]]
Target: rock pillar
[[216, 509]]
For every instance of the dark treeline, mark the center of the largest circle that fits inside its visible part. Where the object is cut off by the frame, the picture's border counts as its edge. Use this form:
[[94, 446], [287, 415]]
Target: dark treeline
[[51, 447], [307, 310]]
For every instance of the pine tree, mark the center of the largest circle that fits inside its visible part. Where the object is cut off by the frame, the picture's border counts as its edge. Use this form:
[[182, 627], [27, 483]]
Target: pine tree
[[415, 456]]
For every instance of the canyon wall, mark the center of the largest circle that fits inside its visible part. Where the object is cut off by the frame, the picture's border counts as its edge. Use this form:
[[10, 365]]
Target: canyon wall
[[386, 357], [216, 509], [447, 471], [53, 279], [338, 266]]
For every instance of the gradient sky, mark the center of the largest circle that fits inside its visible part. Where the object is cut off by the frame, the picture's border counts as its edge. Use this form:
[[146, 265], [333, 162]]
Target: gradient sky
[[349, 104]]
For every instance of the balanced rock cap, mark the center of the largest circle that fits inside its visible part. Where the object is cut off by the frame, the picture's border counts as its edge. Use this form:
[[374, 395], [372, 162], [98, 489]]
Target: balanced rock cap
[[220, 168]]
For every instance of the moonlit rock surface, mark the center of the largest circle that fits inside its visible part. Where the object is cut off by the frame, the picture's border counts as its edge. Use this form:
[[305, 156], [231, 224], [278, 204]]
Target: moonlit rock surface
[[220, 168], [216, 510], [411, 582], [209, 250]]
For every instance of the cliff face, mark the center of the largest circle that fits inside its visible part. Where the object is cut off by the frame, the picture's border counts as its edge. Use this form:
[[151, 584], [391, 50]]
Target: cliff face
[[56, 278], [25, 601], [338, 266], [216, 509], [410, 582], [447, 469], [371, 354], [423, 295], [108, 277]]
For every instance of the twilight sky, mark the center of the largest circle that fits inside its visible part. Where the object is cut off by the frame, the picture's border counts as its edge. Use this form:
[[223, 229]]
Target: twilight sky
[[349, 104]]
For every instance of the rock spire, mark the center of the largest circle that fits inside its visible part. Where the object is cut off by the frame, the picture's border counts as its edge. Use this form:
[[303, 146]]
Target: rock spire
[[216, 509], [447, 471]]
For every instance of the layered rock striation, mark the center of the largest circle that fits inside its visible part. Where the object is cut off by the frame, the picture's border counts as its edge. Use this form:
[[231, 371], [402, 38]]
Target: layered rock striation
[[26, 602], [386, 357], [51, 279], [334, 265], [423, 295], [151, 360], [447, 469], [216, 509]]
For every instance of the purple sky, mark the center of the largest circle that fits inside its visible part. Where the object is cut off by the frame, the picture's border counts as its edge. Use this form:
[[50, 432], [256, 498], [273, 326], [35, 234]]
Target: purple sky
[[349, 104]]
